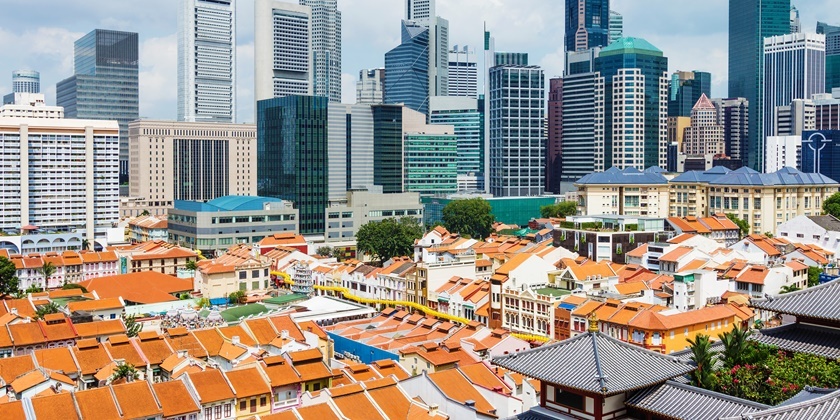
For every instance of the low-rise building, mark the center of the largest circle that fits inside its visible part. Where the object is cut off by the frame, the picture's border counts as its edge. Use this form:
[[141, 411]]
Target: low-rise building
[[159, 256], [717, 227], [812, 230], [147, 228], [241, 268], [344, 218], [608, 238], [629, 192], [218, 224]]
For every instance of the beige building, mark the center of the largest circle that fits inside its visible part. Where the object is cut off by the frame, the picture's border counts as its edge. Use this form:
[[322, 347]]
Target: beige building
[[241, 268], [676, 130], [704, 136], [344, 218], [628, 192], [191, 161]]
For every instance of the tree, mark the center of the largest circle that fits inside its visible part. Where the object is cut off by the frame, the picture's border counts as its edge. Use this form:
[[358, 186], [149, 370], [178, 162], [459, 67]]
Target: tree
[[566, 208], [324, 251], [145, 213], [703, 356], [9, 283], [203, 303], [388, 238], [132, 327], [48, 269], [49, 308], [788, 289], [338, 254], [85, 244], [236, 297], [736, 349], [742, 224], [831, 205], [125, 370], [814, 276], [470, 218], [191, 265]]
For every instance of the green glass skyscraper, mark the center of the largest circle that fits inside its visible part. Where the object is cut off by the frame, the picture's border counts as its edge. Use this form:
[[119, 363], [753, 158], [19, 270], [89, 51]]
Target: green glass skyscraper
[[750, 21]]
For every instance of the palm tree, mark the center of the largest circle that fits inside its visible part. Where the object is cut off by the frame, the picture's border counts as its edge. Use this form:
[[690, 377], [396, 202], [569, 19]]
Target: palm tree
[[736, 349], [703, 356], [49, 308], [125, 370], [48, 269], [191, 265], [85, 244]]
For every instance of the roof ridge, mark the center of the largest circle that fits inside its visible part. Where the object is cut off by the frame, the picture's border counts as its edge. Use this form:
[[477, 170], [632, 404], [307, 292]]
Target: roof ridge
[[601, 378]]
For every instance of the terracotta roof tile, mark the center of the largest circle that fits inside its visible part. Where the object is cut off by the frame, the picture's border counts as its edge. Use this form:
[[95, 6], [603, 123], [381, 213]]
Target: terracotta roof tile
[[455, 386], [98, 329], [262, 330], [676, 254], [136, 400], [154, 349], [95, 305], [238, 331], [55, 407], [92, 358], [12, 367], [12, 411], [211, 386], [58, 359], [186, 342], [279, 371], [389, 367], [125, 350], [357, 406], [97, 403], [141, 287], [248, 382], [317, 412], [175, 398], [210, 339]]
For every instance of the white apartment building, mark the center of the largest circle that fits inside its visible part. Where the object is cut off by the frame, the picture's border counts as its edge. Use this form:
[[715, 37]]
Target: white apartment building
[[282, 49], [207, 60], [782, 151], [30, 105], [60, 183], [191, 161], [463, 72]]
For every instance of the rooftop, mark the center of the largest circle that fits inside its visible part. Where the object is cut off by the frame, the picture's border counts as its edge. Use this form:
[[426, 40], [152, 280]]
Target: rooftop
[[630, 45], [227, 203], [628, 176], [675, 400], [822, 302]]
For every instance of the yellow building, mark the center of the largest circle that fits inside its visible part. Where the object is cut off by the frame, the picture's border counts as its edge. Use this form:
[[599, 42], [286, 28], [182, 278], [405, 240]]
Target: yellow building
[[253, 393], [627, 192], [313, 372]]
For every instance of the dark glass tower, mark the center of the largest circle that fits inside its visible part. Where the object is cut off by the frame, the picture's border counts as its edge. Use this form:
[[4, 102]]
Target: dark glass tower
[[407, 69], [388, 147], [750, 21], [587, 24], [292, 159], [105, 84], [686, 88]]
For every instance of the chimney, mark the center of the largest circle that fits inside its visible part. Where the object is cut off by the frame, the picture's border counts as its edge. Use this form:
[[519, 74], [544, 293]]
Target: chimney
[[235, 339], [470, 403], [284, 334], [433, 410], [13, 311]]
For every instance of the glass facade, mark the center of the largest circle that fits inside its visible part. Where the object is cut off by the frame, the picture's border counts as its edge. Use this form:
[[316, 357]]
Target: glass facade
[[513, 211], [200, 169], [326, 48], [750, 21], [820, 153], [578, 118], [388, 147], [292, 159], [593, 31], [431, 163], [407, 69], [794, 68], [469, 129], [686, 88], [832, 60], [26, 81], [105, 85]]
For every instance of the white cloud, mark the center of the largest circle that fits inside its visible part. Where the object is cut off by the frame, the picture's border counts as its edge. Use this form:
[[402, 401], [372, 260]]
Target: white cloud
[[348, 88], [158, 77]]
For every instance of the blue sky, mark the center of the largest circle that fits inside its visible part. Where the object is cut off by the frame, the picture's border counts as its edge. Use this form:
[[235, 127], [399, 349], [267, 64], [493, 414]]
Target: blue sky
[[39, 34]]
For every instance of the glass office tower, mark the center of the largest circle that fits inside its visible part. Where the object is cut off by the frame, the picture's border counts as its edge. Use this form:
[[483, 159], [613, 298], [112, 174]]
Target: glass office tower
[[587, 24], [105, 84], [407, 69], [686, 88]]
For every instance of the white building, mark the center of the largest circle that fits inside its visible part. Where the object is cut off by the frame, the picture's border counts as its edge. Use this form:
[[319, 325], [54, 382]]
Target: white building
[[282, 49], [345, 217], [30, 105], [782, 151], [463, 72], [823, 231], [207, 60], [61, 177], [369, 87], [326, 48]]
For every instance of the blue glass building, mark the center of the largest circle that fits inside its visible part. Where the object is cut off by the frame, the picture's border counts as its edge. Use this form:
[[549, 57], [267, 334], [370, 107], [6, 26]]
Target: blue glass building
[[821, 152], [686, 88], [292, 161], [105, 85], [407, 69], [593, 31], [468, 119]]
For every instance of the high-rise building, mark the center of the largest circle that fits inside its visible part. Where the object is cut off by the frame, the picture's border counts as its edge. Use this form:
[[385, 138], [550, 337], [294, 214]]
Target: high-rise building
[[686, 88], [631, 129], [578, 112], [192, 161], [370, 86], [430, 157], [283, 58], [793, 119], [105, 84], [705, 134], [23, 81], [750, 21], [734, 116], [207, 61], [795, 25], [783, 151], [388, 122], [326, 48], [587, 24], [463, 72], [517, 136], [616, 26], [59, 175], [467, 118], [794, 68], [820, 153], [832, 61], [553, 153], [406, 69], [676, 130], [422, 13]]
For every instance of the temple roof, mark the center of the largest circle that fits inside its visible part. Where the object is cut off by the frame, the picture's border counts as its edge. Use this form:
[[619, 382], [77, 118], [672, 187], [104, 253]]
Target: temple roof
[[681, 401], [801, 338], [821, 302], [824, 407]]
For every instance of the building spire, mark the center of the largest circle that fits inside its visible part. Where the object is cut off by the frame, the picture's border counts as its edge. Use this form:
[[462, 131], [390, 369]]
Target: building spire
[[593, 322]]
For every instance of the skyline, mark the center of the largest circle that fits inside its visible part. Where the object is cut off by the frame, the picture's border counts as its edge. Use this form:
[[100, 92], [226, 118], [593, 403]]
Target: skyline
[[532, 26]]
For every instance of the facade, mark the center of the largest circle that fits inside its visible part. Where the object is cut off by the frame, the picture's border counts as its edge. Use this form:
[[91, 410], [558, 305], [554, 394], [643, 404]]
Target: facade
[[553, 153], [705, 135], [195, 161], [794, 68], [627, 192], [733, 115], [623, 66], [407, 72], [431, 161], [371, 86], [218, 224], [283, 49], [832, 61], [616, 26], [750, 22], [676, 130], [793, 119], [467, 118], [422, 12], [516, 143], [783, 151], [819, 152], [29, 105], [326, 48], [587, 24], [293, 130], [509, 210], [60, 177], [578, 112], [105, 84], [463, 72], [344, 218], [686, 89], [207, 61], [23, 81], [147, 228]]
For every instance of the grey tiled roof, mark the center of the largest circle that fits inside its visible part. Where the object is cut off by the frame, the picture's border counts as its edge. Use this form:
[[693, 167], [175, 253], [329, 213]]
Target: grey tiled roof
[[822, 302], [827, 222], [594, 362], [702, 176], [784, 176], [800, 338], [628, 176], [679, 401], [539, 413], [825, 407], [807, 394]]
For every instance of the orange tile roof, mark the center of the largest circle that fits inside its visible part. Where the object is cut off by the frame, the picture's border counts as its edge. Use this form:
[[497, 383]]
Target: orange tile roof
[[12, 411], [392, 402], [480, 374], [796, 265], [125, 351], [248, 382], [136, 400], [321, 411], [100, 328], [357, 406], [97, 403], [59, 359], [755, 274], [455, 386], [661, 322], [314, 328], [587, 308], [284, 322], [389, 367], [238, 331], [305, 355], [64, 293], [231, 352], [210, 340], [186, 342], [91, 356], [211, 386], [27, 381], [55, 407], [175, 398], [155, 349], [279, 371], [631, 288], [141, 287], [676, 254], [262, 330], [12, 367], [512, 264], [312, 371], [95, 305], [24, 307]]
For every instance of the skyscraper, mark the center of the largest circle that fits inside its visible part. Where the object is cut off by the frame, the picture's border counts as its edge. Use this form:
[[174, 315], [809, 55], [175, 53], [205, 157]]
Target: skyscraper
[[794, 68], [326, 48], [705, 134], [207, 60], [463, 72], [750, 21], [553, 155], [686, 89], [616, 26], [517, 136], [105, 84], [422, 12], [407, 69], [631, 129], [832, 61], [795, 25], [734, 115], [283, 54], [578, 112], [23, 81], [587, 24], [370, 86], [467, 118]]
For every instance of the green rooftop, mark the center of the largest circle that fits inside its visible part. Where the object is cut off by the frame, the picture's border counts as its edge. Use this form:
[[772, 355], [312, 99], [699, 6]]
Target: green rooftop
[[233, 314], [552, 291], [286, 299], [630, 45]]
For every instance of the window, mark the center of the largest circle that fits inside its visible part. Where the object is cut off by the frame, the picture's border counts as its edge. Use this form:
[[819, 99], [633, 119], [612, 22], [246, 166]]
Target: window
[[208, 413], [255, 274], [242, 275], [253, 405], [227, 409], [218, 410], [568, 399], [243, 405], [263, 401]]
